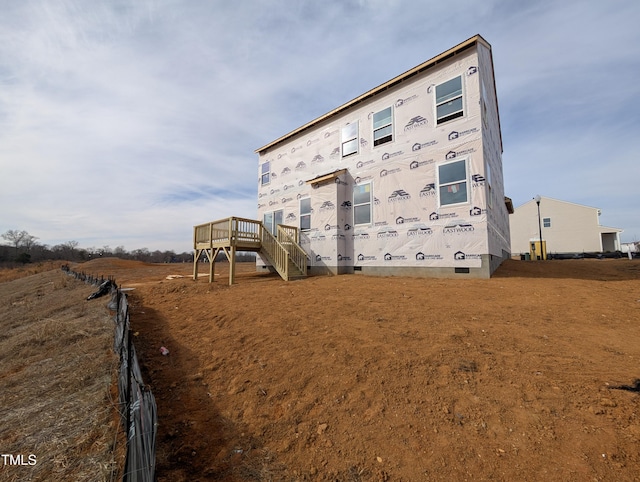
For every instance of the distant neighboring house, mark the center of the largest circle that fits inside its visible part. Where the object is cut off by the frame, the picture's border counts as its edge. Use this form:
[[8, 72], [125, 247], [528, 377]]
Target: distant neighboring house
[[405, 179], [566, 228]]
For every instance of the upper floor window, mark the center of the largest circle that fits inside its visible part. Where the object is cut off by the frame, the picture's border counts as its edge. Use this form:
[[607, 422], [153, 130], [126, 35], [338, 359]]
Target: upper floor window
[[349, 139], [449, 100], [452, 183], [383, 126], [546, 222], [265, 173]]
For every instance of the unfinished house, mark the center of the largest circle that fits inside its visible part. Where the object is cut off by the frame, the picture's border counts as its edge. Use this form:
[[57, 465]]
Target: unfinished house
[[405, 179]]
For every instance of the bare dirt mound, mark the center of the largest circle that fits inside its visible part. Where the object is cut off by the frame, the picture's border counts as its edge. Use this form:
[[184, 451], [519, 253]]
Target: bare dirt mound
[[366, 378]]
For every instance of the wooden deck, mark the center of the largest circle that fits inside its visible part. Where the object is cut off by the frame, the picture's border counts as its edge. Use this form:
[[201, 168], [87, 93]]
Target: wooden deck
[[239, 234]]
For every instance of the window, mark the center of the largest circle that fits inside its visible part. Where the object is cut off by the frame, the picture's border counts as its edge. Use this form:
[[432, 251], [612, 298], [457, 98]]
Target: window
[[452, 183], [449, 100], [305, 214], [266, 173], [362, 204], [383, 126], [546, 222], [350, 139]]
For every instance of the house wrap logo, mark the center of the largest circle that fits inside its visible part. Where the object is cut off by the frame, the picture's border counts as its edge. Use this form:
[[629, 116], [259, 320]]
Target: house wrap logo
[[406, 100], [360, 234], [435, 216], [361, 164], [337, 236], [420, 256], [388, 155], [415, 122], [346, 205], [281, 155], [461, 256], [453, 135], [274, 191], [387, 232], [318, 237], [343, 258], [262, 194], [340, 182], [476, 211], [386, 172], [402, 220], [261, 205], [274, 203], [291, 217], [347, 227], [327, 206], [300, 166], [419, 229], [415, 164], [472, 70], [362, 257], [376, 201], [363, 142], [296, 148], [335, 153], [454, 154], [428, 190], [399, 195], [285, 171], [359, 179], [477, 180], [391, 257], [458, 228], [310, 142], [320, 258], [329, 227], [287, 186], [317, 158], [285, 200], [417, 146]]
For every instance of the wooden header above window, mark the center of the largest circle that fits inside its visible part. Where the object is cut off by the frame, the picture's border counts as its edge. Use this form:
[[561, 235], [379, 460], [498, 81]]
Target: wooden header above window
[[324, 178]]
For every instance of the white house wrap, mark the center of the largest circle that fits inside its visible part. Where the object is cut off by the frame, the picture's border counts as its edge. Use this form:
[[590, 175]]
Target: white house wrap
[[405, 179]]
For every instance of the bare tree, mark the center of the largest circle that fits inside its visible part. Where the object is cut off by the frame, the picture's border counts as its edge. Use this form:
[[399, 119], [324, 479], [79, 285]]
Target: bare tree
[[15, 237]]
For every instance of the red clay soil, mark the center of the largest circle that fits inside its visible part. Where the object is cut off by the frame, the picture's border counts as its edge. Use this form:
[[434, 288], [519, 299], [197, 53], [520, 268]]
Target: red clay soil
[[530, 375]]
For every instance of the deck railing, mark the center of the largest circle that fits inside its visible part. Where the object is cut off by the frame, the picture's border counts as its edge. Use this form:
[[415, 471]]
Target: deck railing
[[228, 231], [288, 236], [277, 253]]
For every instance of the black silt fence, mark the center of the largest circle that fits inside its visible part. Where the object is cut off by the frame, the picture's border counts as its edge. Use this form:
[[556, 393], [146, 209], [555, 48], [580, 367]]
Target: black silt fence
[[137, 404]]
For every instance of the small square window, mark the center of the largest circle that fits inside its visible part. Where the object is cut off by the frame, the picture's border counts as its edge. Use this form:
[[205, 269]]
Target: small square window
[[546, 222]]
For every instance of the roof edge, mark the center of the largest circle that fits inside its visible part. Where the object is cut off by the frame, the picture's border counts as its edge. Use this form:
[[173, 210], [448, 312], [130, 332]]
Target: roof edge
[[370, 93]]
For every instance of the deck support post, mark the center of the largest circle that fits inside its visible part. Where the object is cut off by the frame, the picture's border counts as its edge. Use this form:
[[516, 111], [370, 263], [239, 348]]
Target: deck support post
[[232, 265], [196, 256]]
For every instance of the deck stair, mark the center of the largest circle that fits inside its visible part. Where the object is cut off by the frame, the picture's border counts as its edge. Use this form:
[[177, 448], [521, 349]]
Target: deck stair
[[234, 234]]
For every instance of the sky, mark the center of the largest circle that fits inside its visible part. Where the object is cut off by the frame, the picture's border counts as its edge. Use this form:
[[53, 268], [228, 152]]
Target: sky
[[127, 122]]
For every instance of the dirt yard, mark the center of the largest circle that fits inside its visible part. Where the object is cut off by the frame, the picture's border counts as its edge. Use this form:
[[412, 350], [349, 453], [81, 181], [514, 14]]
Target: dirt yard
[[530, 375]]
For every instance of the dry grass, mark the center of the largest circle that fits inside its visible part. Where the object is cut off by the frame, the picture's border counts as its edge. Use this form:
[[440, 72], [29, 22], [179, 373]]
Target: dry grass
[[57, 370]]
